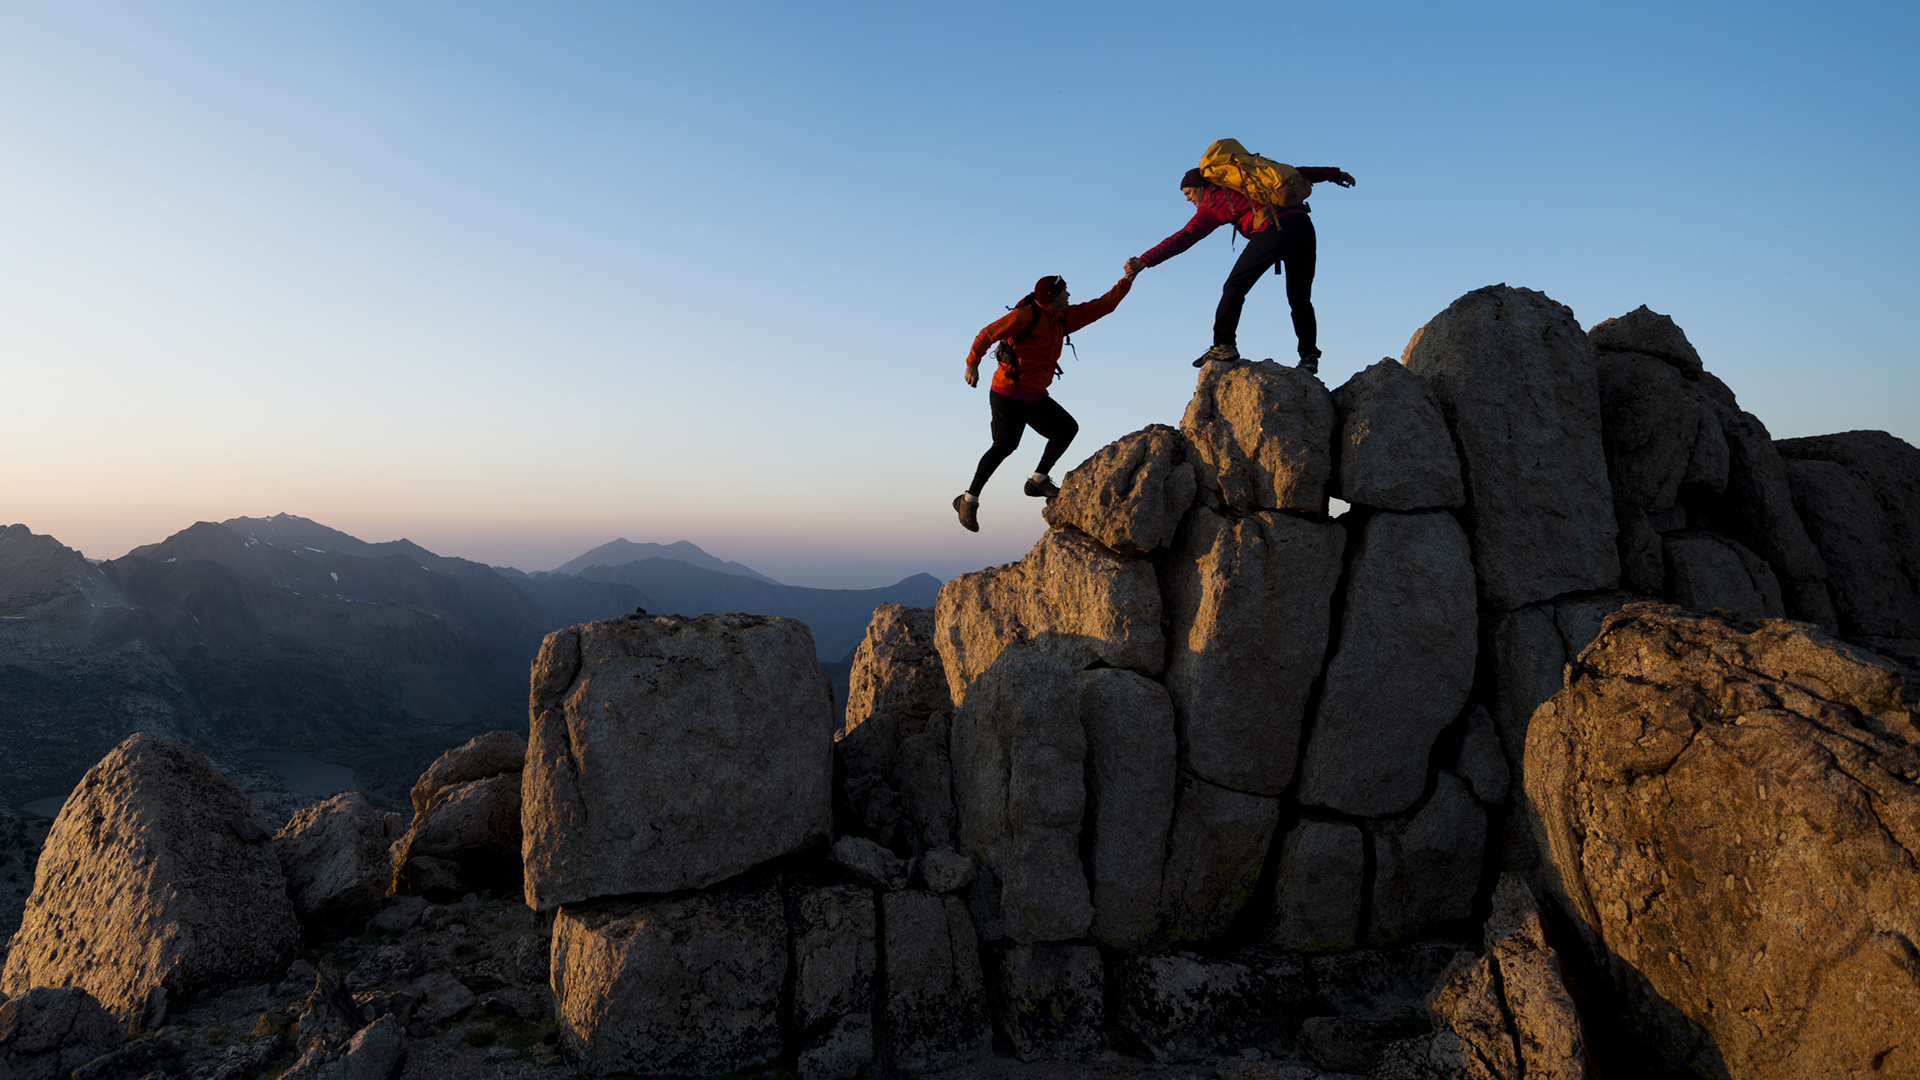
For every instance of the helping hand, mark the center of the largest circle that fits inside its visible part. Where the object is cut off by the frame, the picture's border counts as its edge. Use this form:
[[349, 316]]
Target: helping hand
[[1134, 265], [1344, 180], [973, 374]]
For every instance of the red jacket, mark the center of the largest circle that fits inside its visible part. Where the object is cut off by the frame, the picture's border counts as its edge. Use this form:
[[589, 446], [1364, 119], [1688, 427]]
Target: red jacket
[[1218, 207], [1040, 350]]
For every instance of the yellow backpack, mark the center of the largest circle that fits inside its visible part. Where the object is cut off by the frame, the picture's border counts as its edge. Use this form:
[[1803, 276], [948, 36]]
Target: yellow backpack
[[1267, 182]]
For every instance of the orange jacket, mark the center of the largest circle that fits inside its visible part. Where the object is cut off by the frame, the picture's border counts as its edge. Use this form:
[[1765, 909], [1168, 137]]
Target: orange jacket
[[1040, 350]]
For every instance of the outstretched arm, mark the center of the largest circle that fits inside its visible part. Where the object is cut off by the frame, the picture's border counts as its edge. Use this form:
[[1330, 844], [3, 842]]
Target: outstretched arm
[[1080, 315], [1320, 175]]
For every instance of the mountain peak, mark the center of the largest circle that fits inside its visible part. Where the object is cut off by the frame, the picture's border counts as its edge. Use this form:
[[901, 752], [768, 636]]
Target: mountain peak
[[623, 551]]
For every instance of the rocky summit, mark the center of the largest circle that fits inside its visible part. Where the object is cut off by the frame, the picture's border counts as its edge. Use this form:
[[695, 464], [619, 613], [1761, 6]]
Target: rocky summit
[[1584, 742]]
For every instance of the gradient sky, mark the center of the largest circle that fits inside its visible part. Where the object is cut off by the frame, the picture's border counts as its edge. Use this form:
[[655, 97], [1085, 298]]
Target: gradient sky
[[511, 280]]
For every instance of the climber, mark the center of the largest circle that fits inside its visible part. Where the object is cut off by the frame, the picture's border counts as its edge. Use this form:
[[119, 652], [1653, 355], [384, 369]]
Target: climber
[[1029, 338], [1276, 236]]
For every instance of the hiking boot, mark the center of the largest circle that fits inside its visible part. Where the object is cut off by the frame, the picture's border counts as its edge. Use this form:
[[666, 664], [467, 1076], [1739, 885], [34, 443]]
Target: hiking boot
[[1043, 488], [1218, 352], [969, 512], [1310, 364]]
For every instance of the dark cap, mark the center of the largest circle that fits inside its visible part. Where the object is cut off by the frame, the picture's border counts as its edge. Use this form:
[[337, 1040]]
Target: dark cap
[[1049, 287], [1194, 179]]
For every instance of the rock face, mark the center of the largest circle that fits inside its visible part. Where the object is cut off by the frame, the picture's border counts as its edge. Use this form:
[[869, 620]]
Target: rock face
[[1872, 595], [466, 833], [1428, 868], [1070, 598], [1248, 603], [934, 1004], [1050, 1000], [670, 753], [1318, 890], [1757, 510], [1706, 571], [1516, 380], [1546, 1025], [1218, 844], [1261, 435], [1403, 669], [334, 856], [895, 782], [1018, 752], [46, 1033], [1697, 776], [688, 986], [157, 876], [1393, 451], [1130, 494], [1130, 790], [1890, 469], [832, 931]]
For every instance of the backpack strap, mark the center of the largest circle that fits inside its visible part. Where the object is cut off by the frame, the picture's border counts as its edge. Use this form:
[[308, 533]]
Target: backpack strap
[[1004, 351]]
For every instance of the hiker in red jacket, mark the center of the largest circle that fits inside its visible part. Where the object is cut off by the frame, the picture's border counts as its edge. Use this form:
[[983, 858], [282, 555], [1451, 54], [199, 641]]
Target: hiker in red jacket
[[1280, 237], [1029, 340]]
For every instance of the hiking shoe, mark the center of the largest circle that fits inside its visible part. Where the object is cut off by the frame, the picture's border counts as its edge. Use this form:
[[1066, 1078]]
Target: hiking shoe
[[1310, 364], [1218, 352], [1043, 488], [969, 512]]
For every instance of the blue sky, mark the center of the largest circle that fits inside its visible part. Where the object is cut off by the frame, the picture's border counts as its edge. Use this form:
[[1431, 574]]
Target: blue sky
[[513, 280]]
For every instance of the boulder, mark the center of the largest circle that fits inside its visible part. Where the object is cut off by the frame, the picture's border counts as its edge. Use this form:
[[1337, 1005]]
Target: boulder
[[48, 1032], [1131, 494], [334, 856], [1215, 850], [1248, 604], [1482, 764], [687, 985], [1050, 1000], [1130, 778], [945, 870], [1393, 450], [466, 838], [150, 884], [1650, 422], [1872, 595], [1729, 816], [1516, 380], [896, 784], [670, 753], [1349, 1045], [1649, 333], [1706, 571], [1427, 869], [1319, 887], [1181, 1006], [1890, 469], [831, 929], [496, 753], [1070, 598], [1757, 510], [375, 1052], [1402, 670], [896, 668], [1018, 752], [933, 1001], [869, 862], [1547, 1027], [1531, 648], [1260, 436], [1472, 1035], [1643, 564]]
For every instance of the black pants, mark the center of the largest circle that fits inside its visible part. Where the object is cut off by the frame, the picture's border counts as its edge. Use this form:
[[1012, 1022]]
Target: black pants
[[1289, 245], [1011, 418]]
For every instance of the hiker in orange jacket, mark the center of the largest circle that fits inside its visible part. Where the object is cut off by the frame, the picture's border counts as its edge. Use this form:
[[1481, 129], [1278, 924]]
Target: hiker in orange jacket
[[1276, 237], [1029, 337]]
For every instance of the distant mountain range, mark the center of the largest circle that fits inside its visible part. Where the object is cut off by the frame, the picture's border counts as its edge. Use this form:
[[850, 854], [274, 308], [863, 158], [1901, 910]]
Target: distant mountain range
[[282, 633]]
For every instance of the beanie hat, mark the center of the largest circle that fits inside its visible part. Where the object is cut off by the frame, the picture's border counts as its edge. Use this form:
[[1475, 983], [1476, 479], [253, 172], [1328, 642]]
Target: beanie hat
[[1194, 179], [1048, 287]]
